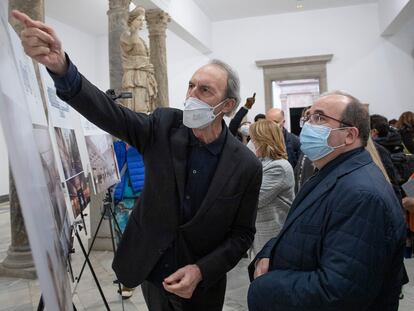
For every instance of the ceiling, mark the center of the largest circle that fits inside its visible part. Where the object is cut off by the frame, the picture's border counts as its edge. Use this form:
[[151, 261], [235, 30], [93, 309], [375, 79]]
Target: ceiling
[[218, 10], [90, 15], [86, 15]]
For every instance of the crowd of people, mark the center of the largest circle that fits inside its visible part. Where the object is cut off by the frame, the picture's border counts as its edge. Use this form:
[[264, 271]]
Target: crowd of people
[[321, 215]]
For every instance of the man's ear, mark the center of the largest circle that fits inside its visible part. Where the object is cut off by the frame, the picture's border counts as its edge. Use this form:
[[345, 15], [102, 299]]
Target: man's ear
[[352, 136], [229, 105]]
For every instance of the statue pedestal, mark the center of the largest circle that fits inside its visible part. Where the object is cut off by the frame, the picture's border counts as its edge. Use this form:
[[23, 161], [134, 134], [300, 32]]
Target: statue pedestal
[[19, 262]]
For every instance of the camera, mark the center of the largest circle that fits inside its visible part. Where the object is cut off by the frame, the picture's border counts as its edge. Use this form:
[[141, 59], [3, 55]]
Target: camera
[[111, 93]]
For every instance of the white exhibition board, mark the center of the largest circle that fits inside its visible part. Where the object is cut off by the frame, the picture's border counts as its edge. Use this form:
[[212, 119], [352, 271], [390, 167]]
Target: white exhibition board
[[29, 175], [68, 139]]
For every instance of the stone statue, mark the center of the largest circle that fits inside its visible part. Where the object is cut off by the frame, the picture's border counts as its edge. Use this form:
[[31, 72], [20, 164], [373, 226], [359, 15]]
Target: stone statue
[[138, 75]]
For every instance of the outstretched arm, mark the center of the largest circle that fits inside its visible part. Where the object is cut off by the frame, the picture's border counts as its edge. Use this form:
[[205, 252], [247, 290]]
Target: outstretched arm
[[235, 122]]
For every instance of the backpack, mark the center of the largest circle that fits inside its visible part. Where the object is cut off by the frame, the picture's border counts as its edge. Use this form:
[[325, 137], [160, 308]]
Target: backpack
[[404, 164]]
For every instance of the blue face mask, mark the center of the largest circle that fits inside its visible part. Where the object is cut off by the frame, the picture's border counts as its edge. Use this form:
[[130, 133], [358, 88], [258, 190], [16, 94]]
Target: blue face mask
[[314, 141]]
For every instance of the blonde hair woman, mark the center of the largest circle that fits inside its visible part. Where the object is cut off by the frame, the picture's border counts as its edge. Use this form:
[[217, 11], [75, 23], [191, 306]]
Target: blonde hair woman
[[277, 189]]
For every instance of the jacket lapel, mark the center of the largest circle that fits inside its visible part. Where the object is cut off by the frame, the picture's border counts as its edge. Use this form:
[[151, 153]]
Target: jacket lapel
[[178, 144]]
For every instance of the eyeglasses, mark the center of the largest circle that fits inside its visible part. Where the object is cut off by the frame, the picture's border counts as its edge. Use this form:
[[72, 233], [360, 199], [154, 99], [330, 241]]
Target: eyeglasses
[[319, 119]]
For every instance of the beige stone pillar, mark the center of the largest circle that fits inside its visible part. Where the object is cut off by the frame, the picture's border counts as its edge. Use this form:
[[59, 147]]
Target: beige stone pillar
[[19, 261], [157, 22], [117, 17]]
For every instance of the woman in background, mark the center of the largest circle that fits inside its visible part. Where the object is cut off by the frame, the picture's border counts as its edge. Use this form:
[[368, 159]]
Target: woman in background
[[277, 189], [405, 125]]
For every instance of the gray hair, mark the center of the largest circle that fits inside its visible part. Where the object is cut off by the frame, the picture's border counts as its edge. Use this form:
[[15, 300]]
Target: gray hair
[[233, 83], [355, 113]]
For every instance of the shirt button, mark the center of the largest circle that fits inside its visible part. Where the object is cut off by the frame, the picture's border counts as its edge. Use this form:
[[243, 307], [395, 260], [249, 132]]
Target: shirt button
[[194, 172], [187, 197]]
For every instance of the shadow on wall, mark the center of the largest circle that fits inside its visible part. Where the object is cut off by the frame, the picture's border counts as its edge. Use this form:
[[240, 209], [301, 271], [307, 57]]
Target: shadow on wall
[[404, 38]]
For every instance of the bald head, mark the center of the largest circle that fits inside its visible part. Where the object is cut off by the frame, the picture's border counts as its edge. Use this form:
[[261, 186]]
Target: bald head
[[276, 115]]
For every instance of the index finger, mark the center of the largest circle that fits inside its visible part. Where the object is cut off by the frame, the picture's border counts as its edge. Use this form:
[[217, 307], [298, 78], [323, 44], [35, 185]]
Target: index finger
[[254, 95], [23, 18], [28, 22]]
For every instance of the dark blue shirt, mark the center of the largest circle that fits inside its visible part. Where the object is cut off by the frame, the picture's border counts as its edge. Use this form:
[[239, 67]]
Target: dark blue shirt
[[202, 160], [201, 166]]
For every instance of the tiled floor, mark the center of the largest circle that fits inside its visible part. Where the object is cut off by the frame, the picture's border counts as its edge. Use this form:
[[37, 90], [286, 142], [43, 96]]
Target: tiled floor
[[19, 294], [22, 295]]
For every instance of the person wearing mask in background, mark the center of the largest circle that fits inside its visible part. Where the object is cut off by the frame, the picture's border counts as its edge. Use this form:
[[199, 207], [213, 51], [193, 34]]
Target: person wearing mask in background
[[196, 215], [393, 123], [405, 126], [342, 244], [277, 189], [291, 140], [243, 132], [235, 125]]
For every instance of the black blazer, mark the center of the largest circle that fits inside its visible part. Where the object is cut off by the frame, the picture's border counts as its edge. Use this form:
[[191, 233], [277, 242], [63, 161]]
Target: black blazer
[[223, 228]]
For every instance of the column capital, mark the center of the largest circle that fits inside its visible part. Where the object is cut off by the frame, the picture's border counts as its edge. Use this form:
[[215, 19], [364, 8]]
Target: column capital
[[157, 21], [118, 4]]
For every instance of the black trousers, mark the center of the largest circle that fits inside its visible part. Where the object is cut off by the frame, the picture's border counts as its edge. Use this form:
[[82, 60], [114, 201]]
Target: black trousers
[[211, 299]]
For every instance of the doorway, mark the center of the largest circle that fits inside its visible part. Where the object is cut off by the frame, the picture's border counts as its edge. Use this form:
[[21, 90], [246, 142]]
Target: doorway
[[292, 96]]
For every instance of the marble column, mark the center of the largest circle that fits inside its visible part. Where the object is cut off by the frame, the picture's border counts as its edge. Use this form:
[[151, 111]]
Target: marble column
[[117, 23], [157, 22], [19, 261]]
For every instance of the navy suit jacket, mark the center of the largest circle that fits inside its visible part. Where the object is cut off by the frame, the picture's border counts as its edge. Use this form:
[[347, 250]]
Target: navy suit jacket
[[341, 247]]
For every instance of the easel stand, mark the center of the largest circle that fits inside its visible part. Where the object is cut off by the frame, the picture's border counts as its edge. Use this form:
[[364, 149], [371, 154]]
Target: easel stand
[[76, 231], [106, 213]]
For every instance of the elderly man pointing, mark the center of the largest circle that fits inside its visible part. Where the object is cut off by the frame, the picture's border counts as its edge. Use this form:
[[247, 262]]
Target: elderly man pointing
[[195, 217]]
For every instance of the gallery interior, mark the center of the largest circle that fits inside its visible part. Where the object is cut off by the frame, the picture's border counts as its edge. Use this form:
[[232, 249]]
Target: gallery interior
[[286, 52]]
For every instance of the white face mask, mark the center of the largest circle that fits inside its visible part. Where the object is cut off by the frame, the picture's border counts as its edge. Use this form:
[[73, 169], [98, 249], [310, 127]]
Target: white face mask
[[198, 114], [244, 129]]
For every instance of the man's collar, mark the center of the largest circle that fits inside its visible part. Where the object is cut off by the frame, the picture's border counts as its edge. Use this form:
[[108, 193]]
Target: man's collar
[[341, 158], [215, 146]]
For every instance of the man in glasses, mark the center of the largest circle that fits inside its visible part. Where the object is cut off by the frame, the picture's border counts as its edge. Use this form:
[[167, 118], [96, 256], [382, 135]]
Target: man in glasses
[[342, 244]]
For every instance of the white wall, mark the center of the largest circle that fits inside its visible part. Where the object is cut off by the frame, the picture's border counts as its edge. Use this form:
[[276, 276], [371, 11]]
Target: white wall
[[372, 68], [388, 11], [182, 61], [83, 49]]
